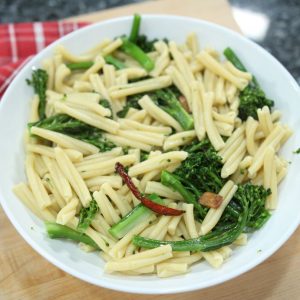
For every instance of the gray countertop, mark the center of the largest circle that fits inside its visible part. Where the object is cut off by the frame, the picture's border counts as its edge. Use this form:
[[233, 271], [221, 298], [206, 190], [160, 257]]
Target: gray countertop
[[274, 24]]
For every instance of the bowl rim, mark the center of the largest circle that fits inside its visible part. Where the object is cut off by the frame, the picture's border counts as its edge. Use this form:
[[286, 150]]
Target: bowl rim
[[106, 283]]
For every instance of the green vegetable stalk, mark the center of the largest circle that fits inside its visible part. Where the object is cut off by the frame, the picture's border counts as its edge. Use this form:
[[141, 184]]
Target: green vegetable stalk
[[74, 128], [200, 172], [80, 65], [252, 97], [174, 183], [56, 231], [39, 83], [167, 100], [109, 59], [249, 201], [138, 54], [133, 218], [135, 28], [211, 241]]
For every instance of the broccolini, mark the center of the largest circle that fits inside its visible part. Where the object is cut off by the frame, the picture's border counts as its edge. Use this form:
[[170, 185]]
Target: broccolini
[[199, 173], [132, 101], [86, 216], [256, 196], [39, 82], [252, 97], [137, 53], [109, 59], [252, 215], [80, 65], [135, 28], [56, 231], [133, 218], [74, 128], [145, 43], [166, 99]]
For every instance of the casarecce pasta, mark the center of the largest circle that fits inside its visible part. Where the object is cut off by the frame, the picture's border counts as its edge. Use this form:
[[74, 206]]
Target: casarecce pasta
[[152, 153]]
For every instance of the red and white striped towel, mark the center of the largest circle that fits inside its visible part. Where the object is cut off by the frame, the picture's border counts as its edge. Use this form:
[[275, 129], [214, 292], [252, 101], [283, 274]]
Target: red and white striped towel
[[21, 41]]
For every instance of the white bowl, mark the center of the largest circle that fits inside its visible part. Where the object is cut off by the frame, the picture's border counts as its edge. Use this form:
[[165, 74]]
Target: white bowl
[[275, 80]]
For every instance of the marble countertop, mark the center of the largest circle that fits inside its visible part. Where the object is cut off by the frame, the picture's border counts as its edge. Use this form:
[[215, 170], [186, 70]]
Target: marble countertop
[[274, 24]]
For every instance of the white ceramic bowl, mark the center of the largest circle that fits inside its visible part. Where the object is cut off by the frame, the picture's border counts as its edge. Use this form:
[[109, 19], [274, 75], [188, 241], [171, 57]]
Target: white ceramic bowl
[[275, 80]]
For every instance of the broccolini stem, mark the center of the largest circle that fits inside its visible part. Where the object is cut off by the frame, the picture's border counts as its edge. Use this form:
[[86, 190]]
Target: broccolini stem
[[171, 181], [80, 65], [232, 211], [135, 28], [56, 231], [173, 107], [133, 218], [138, 54], [232, 57], [109, 59], [209, 242]]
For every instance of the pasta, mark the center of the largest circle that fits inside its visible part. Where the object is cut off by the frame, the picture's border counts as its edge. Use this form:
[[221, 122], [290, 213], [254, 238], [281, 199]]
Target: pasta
[[151, 153]]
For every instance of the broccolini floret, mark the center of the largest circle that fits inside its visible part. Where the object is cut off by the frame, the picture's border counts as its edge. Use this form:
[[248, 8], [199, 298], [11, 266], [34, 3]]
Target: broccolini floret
[[132, 101], [86, 215], [199, 173], [202, 168], [252, 97], [145, 43], [74, 128], [256, 196], [166, 99], [39, 82]]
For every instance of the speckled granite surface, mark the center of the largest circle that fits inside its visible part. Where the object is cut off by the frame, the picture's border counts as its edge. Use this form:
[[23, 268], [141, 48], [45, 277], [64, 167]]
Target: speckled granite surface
[[279, 20], [282, 37]]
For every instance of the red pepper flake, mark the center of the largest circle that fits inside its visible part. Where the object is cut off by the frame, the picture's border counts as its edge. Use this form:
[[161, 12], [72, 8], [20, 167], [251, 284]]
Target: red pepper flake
[[211, 200], [160, 209]]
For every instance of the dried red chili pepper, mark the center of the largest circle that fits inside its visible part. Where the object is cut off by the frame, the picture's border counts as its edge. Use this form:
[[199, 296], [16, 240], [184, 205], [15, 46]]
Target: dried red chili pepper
[[160, 209]]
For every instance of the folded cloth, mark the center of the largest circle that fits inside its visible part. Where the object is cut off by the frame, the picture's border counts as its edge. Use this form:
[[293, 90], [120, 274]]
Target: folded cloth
[[21, 41]]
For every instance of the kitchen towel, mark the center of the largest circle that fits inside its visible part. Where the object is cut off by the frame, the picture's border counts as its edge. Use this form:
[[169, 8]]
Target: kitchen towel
[[19, 42]]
